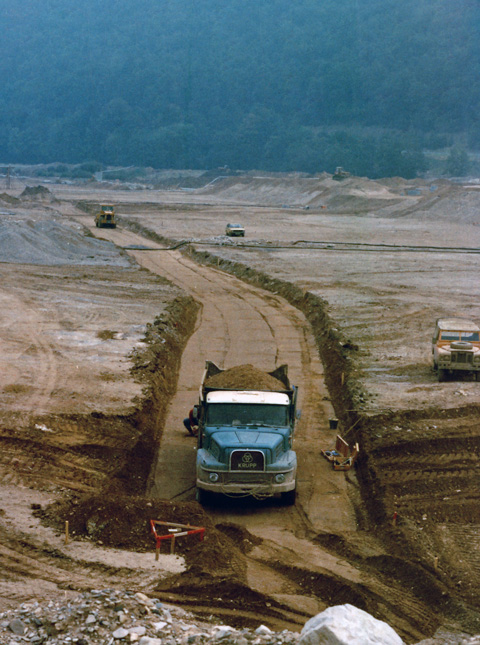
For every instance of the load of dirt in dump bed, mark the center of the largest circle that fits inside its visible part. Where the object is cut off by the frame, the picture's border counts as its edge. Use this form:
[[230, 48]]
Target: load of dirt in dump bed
[[245, 377]]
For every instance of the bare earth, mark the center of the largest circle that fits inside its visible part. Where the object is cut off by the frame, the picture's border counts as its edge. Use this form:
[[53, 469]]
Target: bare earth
[[92, 408]]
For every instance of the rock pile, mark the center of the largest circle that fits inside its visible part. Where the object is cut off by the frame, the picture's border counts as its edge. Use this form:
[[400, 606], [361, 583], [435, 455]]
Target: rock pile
[[112, 617]]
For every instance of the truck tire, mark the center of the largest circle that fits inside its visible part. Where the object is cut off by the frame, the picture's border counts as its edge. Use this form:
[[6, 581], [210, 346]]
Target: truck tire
[[203, 496], [289, 497], [442, 376], [461, 344]]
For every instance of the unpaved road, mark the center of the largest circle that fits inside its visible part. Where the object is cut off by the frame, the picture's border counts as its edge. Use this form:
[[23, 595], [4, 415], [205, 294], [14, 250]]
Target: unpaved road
[[239, 324], [284, 564]]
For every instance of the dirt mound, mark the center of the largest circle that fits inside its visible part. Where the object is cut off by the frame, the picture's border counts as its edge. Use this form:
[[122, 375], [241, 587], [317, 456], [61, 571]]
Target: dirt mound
[[123, 522], [8, 199], [351, 195], [37, 192], [245, 377], [51, 240]]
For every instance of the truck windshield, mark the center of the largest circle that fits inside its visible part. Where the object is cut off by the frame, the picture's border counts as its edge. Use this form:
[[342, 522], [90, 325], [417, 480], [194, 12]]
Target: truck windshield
[[470, 335], [450, 335], [237, 414], [464, 335]]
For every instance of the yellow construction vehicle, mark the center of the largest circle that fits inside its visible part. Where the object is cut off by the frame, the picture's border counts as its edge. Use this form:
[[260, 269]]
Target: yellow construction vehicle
[[340, 174], [105, 218]]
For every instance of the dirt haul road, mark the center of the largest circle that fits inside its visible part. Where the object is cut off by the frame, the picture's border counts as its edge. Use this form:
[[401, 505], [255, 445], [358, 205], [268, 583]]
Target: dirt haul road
[[241, 324]]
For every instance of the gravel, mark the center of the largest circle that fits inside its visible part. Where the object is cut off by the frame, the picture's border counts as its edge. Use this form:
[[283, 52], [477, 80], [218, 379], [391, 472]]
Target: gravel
[[111, 616]]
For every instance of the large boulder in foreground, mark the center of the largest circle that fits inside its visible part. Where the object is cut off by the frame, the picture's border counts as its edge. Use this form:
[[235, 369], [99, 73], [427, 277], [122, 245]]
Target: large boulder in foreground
[[347, 625]]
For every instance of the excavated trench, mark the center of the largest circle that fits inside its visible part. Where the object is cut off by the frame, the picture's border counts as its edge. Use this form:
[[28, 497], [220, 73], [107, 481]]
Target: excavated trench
[[214, 582]]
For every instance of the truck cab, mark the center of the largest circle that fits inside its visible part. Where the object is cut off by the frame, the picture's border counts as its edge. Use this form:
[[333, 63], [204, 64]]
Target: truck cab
[[245, 442], [456, 347]]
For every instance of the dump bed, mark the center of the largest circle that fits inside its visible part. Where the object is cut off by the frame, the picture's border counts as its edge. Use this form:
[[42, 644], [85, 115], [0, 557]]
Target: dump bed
[[245, 378]]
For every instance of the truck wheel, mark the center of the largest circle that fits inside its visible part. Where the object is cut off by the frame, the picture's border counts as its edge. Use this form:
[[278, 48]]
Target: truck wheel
[[289, 497], [203, 496], [442, 376]]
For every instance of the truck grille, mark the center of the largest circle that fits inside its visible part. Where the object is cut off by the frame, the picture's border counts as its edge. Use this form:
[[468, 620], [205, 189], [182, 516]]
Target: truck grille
[[247, 461], [462, 357], [252, 479]]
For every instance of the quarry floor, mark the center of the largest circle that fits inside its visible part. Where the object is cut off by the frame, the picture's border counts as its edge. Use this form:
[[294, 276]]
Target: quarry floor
[[104, 334]]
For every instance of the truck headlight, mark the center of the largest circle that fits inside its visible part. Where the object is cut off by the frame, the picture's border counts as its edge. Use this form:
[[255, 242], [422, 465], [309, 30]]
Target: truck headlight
[[280, 478], [213, 477]]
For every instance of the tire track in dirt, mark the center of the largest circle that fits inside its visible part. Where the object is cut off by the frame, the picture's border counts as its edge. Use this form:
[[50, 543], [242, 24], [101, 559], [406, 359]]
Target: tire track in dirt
[[33, 334], [233, 330], [259, 327]]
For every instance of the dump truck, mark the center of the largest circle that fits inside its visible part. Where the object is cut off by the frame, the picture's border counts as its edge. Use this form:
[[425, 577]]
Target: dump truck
[[456, 348], [105, 218], [246, 427]]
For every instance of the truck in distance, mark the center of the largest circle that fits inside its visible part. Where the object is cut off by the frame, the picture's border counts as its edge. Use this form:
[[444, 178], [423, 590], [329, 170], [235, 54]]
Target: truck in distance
[[234, 230], [105, 218], [456, 348], [246, 427]]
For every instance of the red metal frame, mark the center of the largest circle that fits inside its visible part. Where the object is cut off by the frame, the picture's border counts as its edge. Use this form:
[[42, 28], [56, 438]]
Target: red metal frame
[[189, 530]]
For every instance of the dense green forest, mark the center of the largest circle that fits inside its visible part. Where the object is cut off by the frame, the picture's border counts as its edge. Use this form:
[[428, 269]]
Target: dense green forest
[[266, 84]]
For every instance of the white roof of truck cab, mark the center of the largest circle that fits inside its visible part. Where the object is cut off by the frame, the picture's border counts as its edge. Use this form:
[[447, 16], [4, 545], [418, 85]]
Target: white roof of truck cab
[[230, 396], [457, 324]]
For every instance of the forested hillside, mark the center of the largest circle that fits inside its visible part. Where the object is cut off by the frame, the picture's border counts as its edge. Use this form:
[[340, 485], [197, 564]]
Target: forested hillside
[[267, 84]]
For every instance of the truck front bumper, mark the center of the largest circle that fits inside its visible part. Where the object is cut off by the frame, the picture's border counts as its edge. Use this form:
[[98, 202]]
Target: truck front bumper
[[459, 367], [243, 489]]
